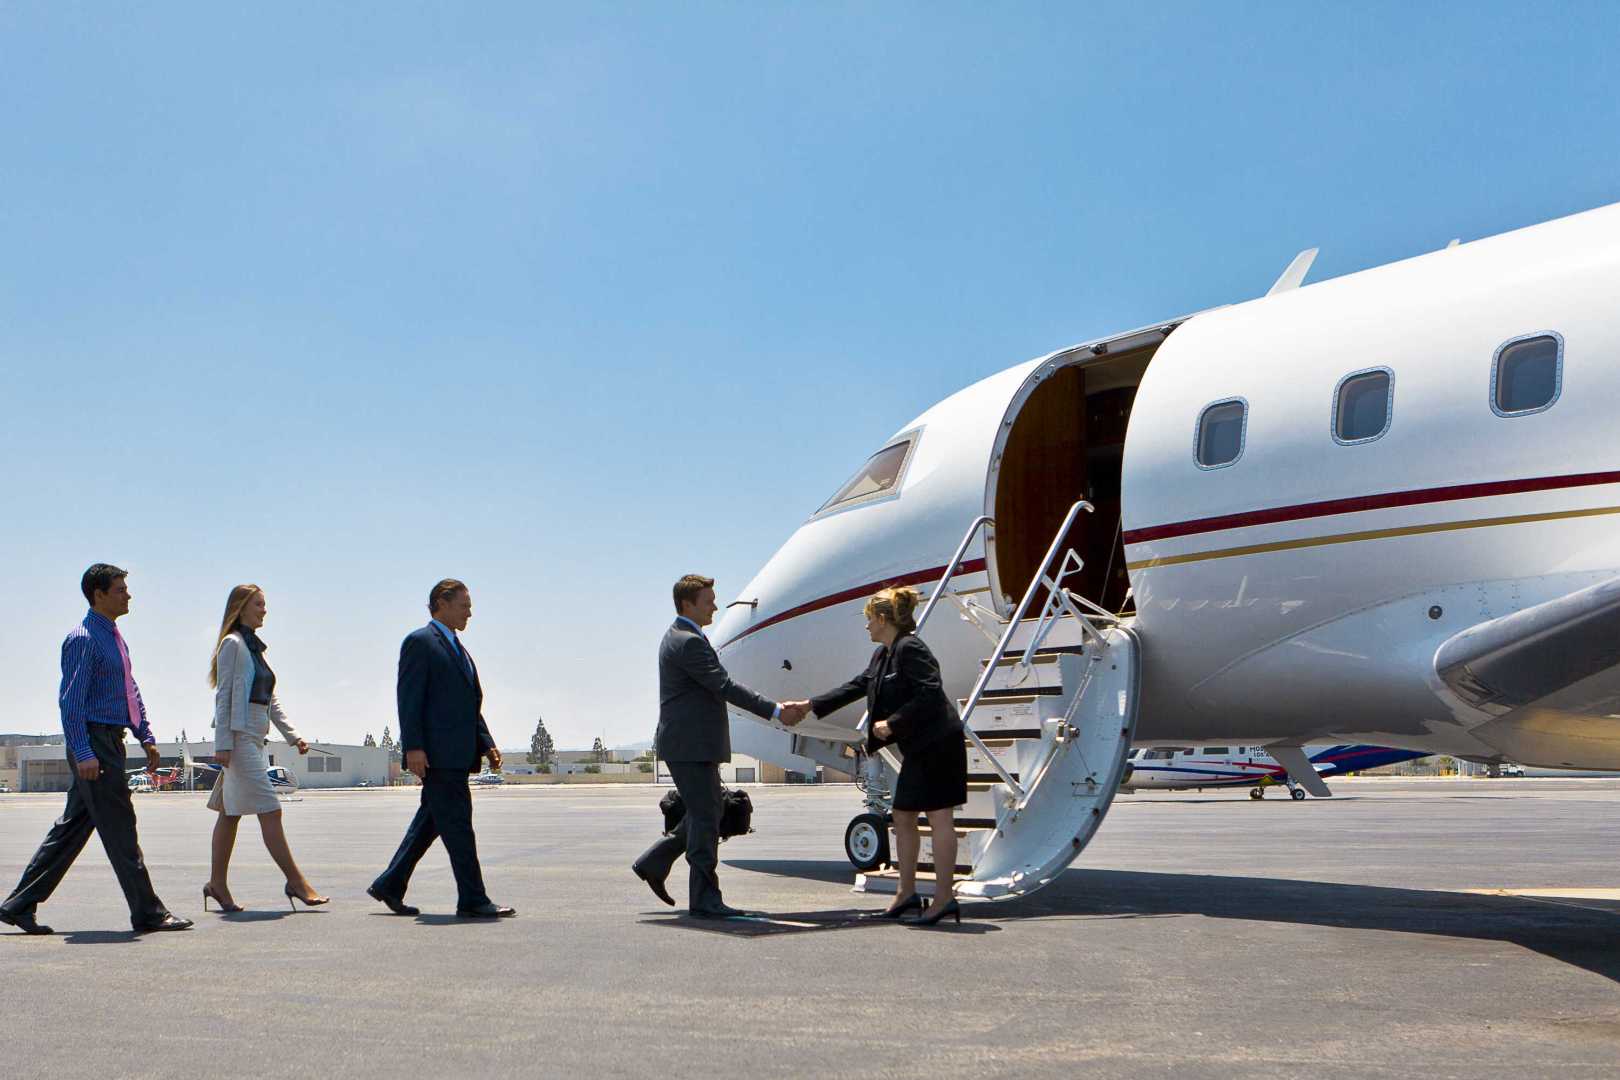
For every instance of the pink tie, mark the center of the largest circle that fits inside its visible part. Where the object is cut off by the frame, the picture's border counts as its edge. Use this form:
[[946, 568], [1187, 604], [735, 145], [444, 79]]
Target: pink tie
[[129, 683]]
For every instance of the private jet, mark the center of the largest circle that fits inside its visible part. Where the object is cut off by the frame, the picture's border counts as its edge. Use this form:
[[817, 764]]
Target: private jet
[[1379, 509]]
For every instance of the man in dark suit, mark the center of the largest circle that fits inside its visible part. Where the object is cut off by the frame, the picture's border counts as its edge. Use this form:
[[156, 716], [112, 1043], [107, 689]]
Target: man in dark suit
[[443, 734], [694, 737]]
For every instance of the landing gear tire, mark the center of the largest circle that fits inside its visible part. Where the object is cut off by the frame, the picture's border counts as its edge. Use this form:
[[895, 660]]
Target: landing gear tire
[[1257, 793], [1297, 794], [866, 842]]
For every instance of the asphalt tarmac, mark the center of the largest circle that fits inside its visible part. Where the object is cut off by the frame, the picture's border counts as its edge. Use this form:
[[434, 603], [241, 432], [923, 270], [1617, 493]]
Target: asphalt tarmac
[[1441, 929]]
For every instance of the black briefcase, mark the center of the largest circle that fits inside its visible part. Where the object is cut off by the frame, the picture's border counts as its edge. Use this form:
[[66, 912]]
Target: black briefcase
[[736, 812]]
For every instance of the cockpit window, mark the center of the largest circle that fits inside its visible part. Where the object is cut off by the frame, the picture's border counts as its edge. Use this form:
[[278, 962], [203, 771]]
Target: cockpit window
[[880, 475]]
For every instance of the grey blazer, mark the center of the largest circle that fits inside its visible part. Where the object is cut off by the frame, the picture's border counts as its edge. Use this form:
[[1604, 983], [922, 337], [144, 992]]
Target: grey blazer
[[231, 711], [692, 693]]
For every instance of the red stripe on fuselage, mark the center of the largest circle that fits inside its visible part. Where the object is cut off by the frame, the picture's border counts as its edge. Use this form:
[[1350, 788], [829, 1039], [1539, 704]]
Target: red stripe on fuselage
[[916, 577], [1388, 500]]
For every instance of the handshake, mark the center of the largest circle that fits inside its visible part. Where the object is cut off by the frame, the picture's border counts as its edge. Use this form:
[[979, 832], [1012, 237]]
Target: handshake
[[793, 712]]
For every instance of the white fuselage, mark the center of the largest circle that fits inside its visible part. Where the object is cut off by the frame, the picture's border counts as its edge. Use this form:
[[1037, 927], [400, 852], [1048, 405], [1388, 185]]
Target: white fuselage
[[1299, 593]]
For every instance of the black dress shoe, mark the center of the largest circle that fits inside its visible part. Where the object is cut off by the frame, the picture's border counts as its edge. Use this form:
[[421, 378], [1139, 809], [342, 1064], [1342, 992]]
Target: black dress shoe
[[655, 884], [26, 923], [721, 911], [485, 911], [395, 904], [168, 922]]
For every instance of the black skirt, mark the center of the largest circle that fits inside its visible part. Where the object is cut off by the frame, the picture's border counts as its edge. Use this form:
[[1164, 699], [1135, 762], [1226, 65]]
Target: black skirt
[[933, 777]]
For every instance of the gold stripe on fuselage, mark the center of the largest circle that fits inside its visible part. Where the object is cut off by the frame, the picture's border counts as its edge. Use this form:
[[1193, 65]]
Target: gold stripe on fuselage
[[1371, 534]]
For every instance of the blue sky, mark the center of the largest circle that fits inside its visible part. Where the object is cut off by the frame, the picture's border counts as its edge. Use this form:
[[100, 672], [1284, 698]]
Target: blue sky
[[567, 300]]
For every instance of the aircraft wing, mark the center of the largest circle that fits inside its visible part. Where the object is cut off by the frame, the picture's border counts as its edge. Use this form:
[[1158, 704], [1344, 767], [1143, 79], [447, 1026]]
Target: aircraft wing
[[1300, 769], [1563, 654]]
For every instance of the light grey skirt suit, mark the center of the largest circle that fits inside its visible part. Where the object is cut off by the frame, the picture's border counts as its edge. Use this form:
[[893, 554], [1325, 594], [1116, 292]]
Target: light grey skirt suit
[[243, 728]]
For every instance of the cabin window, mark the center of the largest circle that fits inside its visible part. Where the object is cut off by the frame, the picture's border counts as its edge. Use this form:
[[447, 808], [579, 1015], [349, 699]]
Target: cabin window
[[1220, 433], [1528, 374], [1216, 751], [1361, 405], [880, 476]]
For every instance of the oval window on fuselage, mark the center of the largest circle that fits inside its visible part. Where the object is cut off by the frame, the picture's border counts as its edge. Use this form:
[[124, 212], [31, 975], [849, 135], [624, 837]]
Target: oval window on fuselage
[[1527, 375], [1220, 433], [1361, 408]]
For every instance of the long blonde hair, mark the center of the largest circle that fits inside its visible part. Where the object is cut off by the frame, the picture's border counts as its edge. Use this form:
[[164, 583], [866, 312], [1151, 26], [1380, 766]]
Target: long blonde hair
[[897, 606], [233, 614]]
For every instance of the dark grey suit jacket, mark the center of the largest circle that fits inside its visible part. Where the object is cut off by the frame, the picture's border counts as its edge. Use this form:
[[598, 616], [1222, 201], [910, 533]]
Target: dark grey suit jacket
[[692, 693]]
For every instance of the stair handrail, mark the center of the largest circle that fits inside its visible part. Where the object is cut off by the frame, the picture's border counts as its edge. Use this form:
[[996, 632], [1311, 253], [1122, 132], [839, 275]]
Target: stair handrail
[[950, 568], [939, 590], [1036, 581]]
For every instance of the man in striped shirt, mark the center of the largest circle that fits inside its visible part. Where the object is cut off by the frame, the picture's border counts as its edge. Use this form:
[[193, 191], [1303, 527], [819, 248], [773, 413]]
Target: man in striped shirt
[[99, 702]]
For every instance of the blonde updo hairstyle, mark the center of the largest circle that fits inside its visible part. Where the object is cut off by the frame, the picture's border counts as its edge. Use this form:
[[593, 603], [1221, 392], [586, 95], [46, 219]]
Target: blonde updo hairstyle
[[897, 606]]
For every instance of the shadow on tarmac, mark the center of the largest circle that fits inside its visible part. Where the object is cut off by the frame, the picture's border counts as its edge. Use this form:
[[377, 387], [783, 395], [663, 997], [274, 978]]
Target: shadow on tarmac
[[254, 916], [101, 937], [778, 923], [1585, 935], [1582, 933]]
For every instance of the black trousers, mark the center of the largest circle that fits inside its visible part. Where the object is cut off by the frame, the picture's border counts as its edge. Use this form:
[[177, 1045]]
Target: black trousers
[[445, 814], [697, 836], [104, 807]]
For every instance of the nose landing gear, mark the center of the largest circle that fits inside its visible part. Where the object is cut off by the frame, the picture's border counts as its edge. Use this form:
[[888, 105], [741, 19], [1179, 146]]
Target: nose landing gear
[[866, 842]]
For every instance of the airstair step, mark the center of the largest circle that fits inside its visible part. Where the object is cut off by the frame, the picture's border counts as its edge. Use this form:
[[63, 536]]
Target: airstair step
[[1017, 693], [1027, 712], [1044, 656]]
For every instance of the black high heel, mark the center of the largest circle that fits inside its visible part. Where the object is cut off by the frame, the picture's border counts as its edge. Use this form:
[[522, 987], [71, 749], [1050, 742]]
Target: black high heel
[[912, 903], [209, 893], [293, 899], [933, 918]]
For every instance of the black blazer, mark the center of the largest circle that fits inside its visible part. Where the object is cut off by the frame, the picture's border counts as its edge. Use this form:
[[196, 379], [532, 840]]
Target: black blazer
[[693, 689], [901, 685], [440, 704]]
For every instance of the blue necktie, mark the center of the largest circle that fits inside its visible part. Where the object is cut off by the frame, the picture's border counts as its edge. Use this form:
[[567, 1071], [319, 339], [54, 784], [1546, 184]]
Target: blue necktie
[[461, 654]]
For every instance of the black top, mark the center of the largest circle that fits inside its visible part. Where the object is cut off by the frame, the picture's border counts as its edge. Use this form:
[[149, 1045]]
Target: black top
[[902, 685], [264, 680]]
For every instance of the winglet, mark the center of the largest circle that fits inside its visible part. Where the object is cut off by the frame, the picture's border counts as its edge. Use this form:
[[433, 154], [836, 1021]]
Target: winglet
[[1295, 274]]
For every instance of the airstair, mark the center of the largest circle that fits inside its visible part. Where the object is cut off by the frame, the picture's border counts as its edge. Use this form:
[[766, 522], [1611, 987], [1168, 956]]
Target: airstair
[[1048, 725]]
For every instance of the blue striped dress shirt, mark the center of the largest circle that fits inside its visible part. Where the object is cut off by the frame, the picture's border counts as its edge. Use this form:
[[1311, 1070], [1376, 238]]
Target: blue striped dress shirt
[[93, 686]]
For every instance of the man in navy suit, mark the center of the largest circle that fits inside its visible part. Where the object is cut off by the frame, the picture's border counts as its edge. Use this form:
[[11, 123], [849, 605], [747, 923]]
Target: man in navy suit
[[443, 734]]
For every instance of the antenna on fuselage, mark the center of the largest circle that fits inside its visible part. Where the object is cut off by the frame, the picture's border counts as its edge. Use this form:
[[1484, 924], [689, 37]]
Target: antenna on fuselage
[[1295, 274]]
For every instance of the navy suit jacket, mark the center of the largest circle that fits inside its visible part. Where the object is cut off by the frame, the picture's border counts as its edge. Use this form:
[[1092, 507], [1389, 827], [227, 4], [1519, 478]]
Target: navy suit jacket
[[440, 702]]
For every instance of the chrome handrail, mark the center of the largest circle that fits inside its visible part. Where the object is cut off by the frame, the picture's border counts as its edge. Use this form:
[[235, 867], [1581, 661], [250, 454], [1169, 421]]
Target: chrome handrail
[[1036, 581]]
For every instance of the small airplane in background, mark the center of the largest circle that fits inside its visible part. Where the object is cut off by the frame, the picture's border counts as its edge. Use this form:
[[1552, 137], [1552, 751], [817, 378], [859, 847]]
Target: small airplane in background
[[1184, 768], [141, 780]]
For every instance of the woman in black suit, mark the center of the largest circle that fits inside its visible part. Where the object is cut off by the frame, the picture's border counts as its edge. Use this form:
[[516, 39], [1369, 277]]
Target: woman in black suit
[[908, 707]]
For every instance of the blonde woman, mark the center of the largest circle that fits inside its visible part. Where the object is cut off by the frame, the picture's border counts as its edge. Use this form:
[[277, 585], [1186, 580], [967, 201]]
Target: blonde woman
[[907, 706], [245, 706]]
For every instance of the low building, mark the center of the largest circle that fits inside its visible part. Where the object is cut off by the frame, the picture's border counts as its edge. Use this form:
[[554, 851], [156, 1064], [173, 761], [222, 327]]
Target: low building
[[10, 744], [327, 765]]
